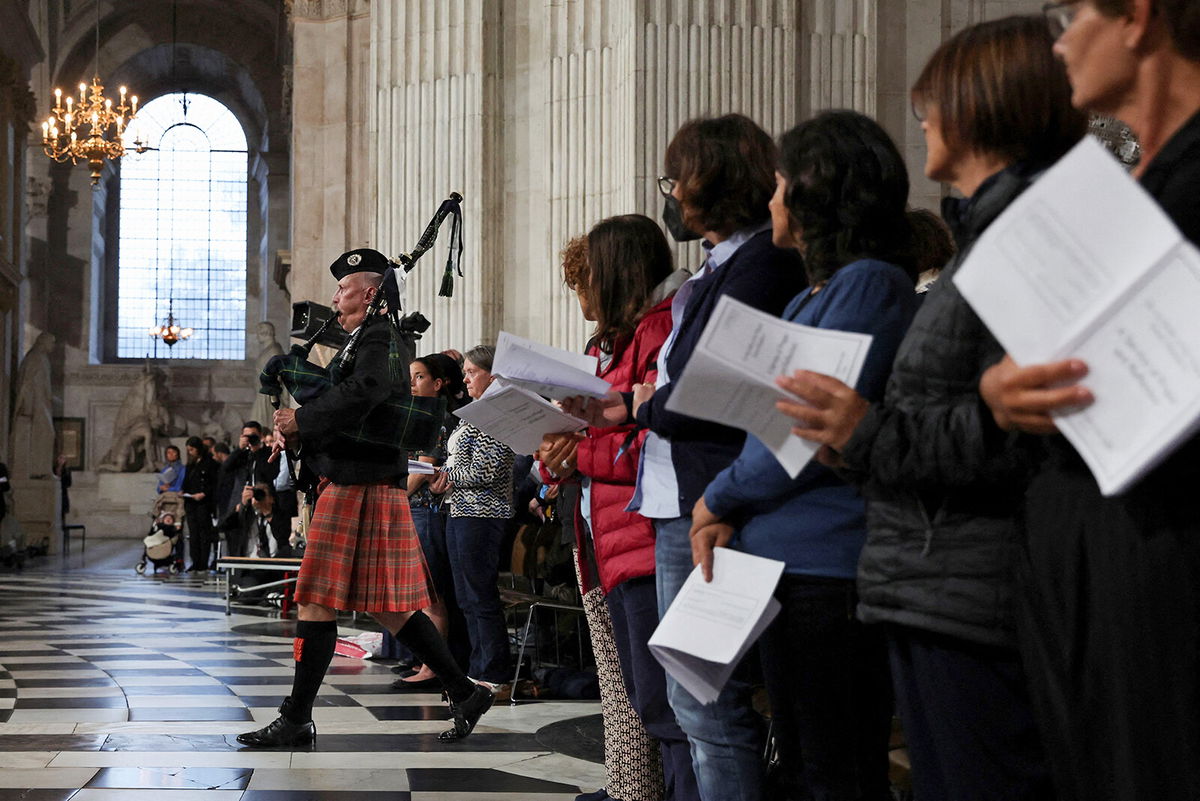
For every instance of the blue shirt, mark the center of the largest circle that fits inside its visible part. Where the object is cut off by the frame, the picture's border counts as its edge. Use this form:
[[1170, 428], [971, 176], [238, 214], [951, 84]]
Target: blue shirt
[[815, 522]]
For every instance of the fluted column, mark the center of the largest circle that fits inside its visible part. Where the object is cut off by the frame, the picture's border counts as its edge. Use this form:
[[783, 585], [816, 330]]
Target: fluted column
[[435, 123], [557, 114], [333, 179]]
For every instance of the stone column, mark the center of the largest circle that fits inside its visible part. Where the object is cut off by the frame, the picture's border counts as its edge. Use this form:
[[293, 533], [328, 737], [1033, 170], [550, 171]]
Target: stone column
[[436, 119], [552, 117], [333, 188]]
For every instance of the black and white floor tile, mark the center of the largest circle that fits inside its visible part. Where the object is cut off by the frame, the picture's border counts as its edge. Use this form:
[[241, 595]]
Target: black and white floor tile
[[119, 686]]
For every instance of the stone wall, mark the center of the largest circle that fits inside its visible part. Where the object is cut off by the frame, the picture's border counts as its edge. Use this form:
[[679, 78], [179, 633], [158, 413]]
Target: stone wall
[[549, 116]]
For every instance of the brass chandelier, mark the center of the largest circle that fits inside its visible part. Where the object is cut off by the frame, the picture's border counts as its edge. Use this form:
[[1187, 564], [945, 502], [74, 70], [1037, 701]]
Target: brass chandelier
[[170, 332], [93, 130]]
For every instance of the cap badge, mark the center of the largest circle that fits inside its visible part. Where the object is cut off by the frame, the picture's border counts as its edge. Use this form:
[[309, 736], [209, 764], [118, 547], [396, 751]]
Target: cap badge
[[353, 259]]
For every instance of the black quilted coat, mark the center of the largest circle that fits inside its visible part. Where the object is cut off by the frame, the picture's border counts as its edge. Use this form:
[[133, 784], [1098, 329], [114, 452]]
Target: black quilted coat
[[942, 482]]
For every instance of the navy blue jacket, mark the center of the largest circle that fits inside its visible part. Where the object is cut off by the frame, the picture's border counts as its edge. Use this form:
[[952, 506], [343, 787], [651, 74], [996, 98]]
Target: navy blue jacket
[[816, 523], [759, 275]]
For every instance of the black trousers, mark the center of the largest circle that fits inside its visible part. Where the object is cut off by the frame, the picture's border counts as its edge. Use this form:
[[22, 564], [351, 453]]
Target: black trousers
[[831, 698], [968, 722], [201, 537], [1110, 631]]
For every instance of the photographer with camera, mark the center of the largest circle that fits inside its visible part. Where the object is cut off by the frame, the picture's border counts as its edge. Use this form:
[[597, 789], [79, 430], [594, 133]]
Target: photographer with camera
[[245, 467]]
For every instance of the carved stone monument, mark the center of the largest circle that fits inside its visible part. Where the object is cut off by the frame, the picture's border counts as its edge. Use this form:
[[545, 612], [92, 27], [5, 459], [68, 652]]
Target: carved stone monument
[[35, 491], [31, 441], [261, 410], [142, 426]]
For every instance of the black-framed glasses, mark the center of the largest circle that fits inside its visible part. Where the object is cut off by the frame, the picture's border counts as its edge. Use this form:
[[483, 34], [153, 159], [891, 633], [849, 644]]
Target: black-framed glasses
[[666, 185], [1060, 16], [919, 111]]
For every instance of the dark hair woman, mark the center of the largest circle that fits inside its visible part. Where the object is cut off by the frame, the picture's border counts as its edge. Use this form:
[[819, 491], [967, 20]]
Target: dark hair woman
[[623, 277], [1112, 585], [719, 179], [479, 469], [840, 200], [427, 379], [199, 489], [943, 490]]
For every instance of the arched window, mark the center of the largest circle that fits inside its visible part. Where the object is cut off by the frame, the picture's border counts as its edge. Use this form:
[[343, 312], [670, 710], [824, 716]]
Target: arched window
[[183, 231]]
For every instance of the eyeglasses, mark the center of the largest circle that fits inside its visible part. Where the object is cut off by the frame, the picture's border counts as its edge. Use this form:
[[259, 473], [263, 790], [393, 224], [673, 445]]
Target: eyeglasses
[[919, 111], [1060, 16], [666, 185]]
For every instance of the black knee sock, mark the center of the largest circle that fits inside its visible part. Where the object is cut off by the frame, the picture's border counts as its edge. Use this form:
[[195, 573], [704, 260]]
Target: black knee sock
[[313, 650], [421, 637]]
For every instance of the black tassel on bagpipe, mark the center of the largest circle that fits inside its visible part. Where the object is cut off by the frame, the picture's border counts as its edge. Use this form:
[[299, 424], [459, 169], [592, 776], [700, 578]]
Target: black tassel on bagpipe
[[452, 207]]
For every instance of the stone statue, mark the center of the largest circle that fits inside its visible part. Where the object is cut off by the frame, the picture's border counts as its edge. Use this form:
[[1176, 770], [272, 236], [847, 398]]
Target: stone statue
[[31, 438], [143, 423], [261, 410]]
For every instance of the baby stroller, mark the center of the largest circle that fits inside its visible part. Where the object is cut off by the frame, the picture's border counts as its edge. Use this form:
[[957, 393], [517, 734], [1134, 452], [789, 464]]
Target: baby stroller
[[162, 546]]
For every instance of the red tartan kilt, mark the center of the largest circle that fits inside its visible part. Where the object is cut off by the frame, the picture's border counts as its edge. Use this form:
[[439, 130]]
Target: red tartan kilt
[[363, 553]]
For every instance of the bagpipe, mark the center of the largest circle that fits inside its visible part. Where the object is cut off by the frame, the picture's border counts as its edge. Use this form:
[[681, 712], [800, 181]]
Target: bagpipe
[[401, 422]]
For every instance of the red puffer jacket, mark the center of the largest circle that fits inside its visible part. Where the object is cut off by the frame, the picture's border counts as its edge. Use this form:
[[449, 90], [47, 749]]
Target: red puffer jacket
[[624, 540]]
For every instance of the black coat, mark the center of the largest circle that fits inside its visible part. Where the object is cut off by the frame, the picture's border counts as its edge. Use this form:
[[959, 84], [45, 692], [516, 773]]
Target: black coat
[[942, 484], [325, 420], [759, 275], [201, 476]]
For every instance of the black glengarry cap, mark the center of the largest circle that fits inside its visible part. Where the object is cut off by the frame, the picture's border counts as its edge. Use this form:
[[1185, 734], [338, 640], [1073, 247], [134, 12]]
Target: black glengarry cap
[[363, 260]]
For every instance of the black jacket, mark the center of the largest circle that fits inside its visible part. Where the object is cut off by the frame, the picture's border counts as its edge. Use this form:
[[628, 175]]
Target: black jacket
[[943, 485], [324, 421], [759, 275], [201, 476]]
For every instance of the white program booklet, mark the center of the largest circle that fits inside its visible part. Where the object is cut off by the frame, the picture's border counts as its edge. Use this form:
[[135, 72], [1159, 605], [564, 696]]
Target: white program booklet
[[710, 626], [547, 370], [517, 417], [730, 377], [1084, 264], [419, 468]]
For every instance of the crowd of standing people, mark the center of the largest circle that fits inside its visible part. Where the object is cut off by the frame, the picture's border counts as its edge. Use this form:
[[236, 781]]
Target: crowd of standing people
[[947, 556]]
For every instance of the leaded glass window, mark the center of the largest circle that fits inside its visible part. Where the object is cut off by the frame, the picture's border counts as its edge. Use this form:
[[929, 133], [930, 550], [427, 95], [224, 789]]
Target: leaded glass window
[[183, 231]]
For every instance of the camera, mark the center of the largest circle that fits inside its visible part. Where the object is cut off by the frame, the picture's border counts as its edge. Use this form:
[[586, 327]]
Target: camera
[[260, 494], [253, 440]]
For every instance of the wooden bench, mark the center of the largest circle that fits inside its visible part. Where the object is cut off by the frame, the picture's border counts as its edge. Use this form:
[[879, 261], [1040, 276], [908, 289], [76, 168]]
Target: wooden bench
[[232, 564]]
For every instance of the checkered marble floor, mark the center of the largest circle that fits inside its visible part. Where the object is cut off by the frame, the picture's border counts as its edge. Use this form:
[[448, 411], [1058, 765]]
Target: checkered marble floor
[[118, 686]]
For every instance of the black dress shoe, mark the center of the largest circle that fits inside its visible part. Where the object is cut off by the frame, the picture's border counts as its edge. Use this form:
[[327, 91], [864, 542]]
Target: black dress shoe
[[468, 713], [280, 732], [423, 686]]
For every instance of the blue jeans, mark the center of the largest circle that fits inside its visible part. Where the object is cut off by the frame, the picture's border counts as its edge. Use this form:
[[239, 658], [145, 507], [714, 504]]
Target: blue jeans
[[474, 547], [726, 736]]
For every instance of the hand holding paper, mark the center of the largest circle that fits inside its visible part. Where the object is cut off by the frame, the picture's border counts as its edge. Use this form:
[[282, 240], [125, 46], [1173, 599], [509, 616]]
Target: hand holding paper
[[517, 417], [1025, 398], [546, 370], [710, 626], [1084, 265], [730, 377]]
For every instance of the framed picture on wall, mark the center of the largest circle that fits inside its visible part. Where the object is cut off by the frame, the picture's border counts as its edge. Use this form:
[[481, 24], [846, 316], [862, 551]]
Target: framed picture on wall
[[69, 438]]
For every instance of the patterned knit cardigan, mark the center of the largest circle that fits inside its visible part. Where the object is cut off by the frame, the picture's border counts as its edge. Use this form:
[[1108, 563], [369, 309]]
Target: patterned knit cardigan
[[481, 469]]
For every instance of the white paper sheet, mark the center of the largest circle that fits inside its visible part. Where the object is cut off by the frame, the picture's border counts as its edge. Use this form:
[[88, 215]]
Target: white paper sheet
[[1084, 264], [710, 626], [517, 417], [419, 468], [730, 376], [546, 370]]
